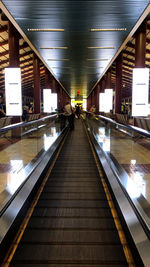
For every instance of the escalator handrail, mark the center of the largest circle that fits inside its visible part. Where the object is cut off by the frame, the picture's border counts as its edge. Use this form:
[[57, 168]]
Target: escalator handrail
[[24, 124], [127, 127]]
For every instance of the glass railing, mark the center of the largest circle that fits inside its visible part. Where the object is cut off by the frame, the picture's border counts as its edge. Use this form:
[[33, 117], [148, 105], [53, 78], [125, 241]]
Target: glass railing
[[127, 149], [22, 147]]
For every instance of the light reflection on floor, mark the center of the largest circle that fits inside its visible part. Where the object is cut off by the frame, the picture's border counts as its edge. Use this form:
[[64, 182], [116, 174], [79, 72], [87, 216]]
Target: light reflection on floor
[[15, 178], [49, 139], [133, 157], [15, 157]]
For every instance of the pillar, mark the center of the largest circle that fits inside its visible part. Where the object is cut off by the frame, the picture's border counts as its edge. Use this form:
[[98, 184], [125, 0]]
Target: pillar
[[13, 42], [140, 46], [108, 80], [118, 89], [97, 98], [54, 86], [36, 82], [47, 79]]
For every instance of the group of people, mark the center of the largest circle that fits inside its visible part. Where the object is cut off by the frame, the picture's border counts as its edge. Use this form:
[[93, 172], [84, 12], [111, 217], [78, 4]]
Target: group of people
[[27, 109], [70, 113], [93, 109], [126, 109]]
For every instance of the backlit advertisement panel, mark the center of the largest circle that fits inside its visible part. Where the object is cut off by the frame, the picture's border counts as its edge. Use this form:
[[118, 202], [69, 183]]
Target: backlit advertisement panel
[[109, 100], [102, 103], [47, 100], [53, 102], [13, 92], [140, 87]]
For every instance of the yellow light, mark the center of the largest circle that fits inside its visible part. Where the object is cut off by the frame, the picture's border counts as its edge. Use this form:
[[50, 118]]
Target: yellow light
[[61, 67], [94, 59], [61, 47], [94, 67], [107, 30], [101, 47], [78, 101], [63, 59], [46, 30]]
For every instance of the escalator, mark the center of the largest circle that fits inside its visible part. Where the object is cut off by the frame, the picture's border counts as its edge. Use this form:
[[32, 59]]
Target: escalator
[[71, 224]]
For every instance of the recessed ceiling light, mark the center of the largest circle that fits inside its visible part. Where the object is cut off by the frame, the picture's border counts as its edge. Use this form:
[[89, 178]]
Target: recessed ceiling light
[[107, 30], [45, 30], [101, 47], [94, 59], [63, 59], [61, 47]]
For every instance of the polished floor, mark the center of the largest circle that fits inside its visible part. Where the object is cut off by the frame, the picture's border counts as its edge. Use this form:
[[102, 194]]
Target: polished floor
[[133, 154], [17, 155]]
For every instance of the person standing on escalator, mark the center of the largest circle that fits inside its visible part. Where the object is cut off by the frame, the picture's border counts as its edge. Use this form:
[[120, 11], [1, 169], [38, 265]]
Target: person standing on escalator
[[68, 112]]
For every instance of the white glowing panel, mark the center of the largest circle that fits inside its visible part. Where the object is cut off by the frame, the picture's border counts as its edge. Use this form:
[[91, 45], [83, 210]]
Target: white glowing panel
[[140, 92], [47, 100], [84, 104], [13, 92], [53, 102], [73, 102], [109, 99], [102, 102]]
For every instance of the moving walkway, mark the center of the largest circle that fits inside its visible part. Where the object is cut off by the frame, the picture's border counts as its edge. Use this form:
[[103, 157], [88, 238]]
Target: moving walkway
[[72, 221]]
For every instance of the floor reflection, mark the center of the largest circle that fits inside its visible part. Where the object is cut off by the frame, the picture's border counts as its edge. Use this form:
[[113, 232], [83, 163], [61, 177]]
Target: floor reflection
[[133, 157], [50, 138], [16, 156], [16, 176]]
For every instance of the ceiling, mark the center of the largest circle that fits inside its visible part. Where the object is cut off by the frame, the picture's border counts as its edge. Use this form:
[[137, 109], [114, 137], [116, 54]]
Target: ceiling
[[73, 55]]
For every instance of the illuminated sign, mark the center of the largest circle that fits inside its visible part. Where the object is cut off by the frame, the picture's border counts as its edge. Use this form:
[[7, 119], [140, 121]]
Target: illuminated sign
[[140, 88], [108, 99], [47, 100], [102, 103], [53, 102], [13, 92], [77, 101]]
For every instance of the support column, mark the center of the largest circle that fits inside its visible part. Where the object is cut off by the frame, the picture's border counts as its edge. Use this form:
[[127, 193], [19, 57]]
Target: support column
[[140, 46], [108, 80], [13, 42], [36, 82], [103, 83], [88, 103], [54, 86], [60, 99], [47, 79], [97, 98], [118, 90], [93, 100]]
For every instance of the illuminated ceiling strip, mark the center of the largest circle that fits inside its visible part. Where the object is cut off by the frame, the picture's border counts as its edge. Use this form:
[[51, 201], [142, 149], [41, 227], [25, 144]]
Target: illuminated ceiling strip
[[63, 59], [101, 47], [94, 59], [94, 67], [61, 67], [61, 47], [107, 30], [45, 30]]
